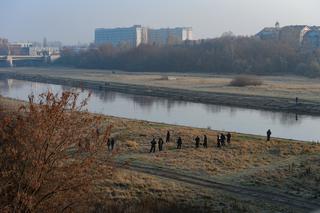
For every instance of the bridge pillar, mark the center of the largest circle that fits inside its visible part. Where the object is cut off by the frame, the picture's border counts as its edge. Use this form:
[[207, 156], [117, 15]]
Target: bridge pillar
[[10, 61]]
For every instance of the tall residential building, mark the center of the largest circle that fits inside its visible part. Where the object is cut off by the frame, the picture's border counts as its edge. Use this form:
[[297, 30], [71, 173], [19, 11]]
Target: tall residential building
[[131, 36], [169, 35], [136, 35]]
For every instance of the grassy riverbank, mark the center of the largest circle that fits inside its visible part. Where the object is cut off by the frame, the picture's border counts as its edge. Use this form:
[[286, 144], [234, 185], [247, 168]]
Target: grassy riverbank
[[281, 166], [276, 93]]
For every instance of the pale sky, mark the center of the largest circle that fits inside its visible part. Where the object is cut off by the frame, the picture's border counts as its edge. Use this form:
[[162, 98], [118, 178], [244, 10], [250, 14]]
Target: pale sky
[[72, 21]]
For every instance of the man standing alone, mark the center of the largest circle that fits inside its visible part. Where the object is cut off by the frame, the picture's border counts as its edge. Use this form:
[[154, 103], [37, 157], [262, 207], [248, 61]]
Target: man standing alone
[[179, 143], [269, 135]]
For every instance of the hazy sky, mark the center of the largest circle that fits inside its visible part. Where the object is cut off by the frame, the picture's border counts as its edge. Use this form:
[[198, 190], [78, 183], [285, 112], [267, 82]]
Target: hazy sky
[[72, 21]]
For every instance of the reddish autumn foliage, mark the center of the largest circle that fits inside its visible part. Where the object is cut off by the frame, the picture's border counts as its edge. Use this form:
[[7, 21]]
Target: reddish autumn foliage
[[50, 155]]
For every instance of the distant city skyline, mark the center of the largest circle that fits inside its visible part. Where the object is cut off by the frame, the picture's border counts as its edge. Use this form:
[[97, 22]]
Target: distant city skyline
[[74, 21]]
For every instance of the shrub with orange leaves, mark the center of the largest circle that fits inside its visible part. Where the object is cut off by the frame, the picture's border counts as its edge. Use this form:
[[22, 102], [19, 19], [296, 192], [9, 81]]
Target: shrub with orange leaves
[[50, 154]]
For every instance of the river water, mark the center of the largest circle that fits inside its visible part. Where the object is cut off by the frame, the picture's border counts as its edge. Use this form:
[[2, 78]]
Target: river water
[[223, 118]]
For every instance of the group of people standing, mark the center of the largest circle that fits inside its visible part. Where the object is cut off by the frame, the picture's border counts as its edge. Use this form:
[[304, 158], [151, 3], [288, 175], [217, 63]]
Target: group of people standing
[[160, 143], [205, 141], [221, 139]]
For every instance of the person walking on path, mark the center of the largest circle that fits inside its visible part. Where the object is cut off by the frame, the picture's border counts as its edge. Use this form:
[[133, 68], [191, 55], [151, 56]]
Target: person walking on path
[[269, 134], [223, 139], [112, 143], [160, 144], [109, 144], [205, 141], [179, 143], [229, 138], [168, 137], [197, 142], [153, 145]]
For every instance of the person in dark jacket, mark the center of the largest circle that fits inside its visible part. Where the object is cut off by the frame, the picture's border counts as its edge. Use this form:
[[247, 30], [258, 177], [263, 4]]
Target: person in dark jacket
[[168, 137], [112, 143], [109, 144], [197, 139], [218, 141], [205, 141], [160, 144], [269, 134], [229, 138], [179, 143], [223, 139], [153, 145]]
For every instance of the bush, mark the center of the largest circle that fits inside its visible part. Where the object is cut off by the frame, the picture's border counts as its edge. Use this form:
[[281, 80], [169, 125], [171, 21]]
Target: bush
[[243, 81]]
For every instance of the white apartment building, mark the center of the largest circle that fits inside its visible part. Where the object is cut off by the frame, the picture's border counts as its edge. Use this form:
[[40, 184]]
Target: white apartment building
[[136, 35], [131, 36], [169, 36]]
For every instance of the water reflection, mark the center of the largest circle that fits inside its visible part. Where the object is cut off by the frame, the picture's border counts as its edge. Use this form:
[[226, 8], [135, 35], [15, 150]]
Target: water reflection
[[285, 125], [288, 119]]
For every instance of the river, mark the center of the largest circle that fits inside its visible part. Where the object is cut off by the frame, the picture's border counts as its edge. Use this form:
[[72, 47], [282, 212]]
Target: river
[[222, 118]]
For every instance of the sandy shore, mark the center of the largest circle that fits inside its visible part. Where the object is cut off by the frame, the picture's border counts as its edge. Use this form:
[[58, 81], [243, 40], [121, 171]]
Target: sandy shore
[[277, 93]]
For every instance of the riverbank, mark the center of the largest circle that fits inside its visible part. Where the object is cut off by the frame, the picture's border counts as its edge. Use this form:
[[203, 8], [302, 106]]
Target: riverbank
[[235, 178], [276, 94]]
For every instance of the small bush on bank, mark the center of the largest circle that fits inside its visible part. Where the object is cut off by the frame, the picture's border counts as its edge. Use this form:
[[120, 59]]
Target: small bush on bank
[[243, 81]]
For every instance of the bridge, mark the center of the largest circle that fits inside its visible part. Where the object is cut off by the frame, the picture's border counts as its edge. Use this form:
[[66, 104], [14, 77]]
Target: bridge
[[13, 60]]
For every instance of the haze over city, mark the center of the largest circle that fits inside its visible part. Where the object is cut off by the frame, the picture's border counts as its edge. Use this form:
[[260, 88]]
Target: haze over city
[[74, 21], [155, 106]]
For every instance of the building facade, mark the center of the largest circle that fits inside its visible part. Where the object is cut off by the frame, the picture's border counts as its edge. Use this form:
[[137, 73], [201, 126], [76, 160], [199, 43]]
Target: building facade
[[137, 35], [131, 36], [293, 35], [169, 36], [311, 40], [297, 36], [4, 49]]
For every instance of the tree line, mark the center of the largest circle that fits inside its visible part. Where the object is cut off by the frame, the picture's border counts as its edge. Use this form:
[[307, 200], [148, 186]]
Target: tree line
[[224, 55]]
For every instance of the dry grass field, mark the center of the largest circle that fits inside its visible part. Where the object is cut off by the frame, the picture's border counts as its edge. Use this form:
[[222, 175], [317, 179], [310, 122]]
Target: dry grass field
[[289, 167]]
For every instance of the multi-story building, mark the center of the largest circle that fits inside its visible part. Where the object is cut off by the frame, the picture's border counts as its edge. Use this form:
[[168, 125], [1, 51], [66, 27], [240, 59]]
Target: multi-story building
[[4, 50], [129, 37], [137, 35], [169, 35], [311, 39], [3, 41], [293, 35], [18, 49], [44, 51]]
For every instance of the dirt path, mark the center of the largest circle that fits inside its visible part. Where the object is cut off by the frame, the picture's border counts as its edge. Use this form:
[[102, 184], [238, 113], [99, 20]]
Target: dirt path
[[275, 198]]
